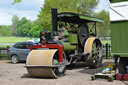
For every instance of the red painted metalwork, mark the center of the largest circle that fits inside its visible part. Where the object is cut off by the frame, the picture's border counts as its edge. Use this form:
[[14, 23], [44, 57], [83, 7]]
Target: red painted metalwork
[[67, 28], [54, 46], [43, 33], [60, 53], [121, 76]]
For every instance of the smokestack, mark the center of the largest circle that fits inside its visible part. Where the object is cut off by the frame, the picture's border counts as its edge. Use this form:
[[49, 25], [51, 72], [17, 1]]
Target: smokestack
[[54, 21]]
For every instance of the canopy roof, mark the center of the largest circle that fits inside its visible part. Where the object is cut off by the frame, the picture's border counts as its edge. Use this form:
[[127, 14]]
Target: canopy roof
[[77, 18]]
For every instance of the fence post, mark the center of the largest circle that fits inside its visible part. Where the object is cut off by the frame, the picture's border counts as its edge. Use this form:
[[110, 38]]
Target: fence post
[[106, 50], [109, 50], [7, 48]]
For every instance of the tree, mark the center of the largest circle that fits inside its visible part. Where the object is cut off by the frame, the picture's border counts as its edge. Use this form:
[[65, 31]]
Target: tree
[[103, 28], [76, 6], [16, 1], [5, 30], [24, 27], [15, 20], [87, 6], [36, 29]]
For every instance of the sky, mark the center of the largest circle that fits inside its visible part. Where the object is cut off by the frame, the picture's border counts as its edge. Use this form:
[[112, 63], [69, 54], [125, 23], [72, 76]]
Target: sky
[[29, 9]]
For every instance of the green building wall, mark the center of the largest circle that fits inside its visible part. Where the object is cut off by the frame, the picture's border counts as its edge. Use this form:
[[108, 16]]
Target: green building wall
[[119, 35]]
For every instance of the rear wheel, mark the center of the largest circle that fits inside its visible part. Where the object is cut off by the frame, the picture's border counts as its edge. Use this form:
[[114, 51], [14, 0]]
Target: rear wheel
[[94, 59], [14, 59]]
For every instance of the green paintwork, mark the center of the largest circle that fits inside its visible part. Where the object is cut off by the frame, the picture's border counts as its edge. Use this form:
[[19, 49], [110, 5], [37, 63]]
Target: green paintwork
[[120, 54], [68, 47], [73, 38], [114, 1], [85, 18], [119, 34], [93, 19], [66, 34]]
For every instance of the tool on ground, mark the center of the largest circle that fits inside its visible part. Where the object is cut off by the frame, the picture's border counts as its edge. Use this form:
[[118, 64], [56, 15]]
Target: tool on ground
[[109, 73]]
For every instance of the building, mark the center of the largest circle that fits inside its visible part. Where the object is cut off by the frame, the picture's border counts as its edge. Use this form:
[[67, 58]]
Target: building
[[119, 27]]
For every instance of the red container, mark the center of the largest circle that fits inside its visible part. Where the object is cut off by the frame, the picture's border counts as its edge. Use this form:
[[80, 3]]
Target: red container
[[121, 76]]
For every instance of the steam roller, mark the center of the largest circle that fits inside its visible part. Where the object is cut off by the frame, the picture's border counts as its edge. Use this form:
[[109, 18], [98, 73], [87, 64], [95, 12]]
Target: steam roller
[[70, 42]]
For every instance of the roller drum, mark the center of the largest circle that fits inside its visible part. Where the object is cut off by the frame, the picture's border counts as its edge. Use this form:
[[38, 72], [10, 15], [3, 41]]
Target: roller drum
[[44, 63]]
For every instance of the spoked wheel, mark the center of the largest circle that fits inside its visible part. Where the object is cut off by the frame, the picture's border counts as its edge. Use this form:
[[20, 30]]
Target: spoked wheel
[[94, 59], [14, 59]]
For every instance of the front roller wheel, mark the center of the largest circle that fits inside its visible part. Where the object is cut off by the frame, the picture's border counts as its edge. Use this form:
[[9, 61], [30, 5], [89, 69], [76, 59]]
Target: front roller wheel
[[45, 63], [94, 59]]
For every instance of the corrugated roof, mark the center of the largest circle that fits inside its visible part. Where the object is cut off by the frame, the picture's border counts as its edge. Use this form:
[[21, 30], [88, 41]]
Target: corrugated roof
[[119, 11]]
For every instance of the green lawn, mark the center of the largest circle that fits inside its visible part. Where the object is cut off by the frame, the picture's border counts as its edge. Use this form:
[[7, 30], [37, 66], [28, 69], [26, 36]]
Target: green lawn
[[106, 41], [13, 40], [24, 39]]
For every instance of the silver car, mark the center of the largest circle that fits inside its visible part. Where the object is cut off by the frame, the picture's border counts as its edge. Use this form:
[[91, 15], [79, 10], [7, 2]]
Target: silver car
[[19, 51]]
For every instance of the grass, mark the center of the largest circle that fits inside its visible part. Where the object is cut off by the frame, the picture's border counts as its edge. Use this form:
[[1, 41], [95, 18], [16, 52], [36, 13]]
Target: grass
[[13, 39], [4, 58], [24, 39], [5, 46], [106, 41]]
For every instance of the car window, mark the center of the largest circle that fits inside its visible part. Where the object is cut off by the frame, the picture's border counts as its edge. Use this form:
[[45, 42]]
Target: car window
[[15, 45], [29, 45], [21, 45]]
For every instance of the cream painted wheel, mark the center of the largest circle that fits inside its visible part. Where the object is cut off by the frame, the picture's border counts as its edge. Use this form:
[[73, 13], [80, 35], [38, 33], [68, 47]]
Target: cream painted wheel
[[40, 64], [94, 59]]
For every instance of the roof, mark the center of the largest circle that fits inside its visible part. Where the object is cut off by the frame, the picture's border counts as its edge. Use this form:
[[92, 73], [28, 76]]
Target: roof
[[77, 18], [113, 1], [119, 11]]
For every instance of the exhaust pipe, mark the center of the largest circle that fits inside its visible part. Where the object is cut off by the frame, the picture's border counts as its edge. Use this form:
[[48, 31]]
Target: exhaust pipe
[[54, 21]]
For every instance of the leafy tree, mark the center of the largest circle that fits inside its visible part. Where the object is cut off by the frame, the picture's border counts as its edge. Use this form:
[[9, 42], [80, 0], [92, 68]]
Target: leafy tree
[[77, 6], [103, 28], [5, 30], [87, 6], [16, 1], [15, 20], [24, 27], [36, 29]]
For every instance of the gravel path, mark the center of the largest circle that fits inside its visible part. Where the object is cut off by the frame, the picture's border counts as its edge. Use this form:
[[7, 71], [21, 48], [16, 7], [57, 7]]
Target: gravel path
[[16, 74]]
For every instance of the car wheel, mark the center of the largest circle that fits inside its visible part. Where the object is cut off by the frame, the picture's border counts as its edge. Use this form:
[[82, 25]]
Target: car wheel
[[14, 59]]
